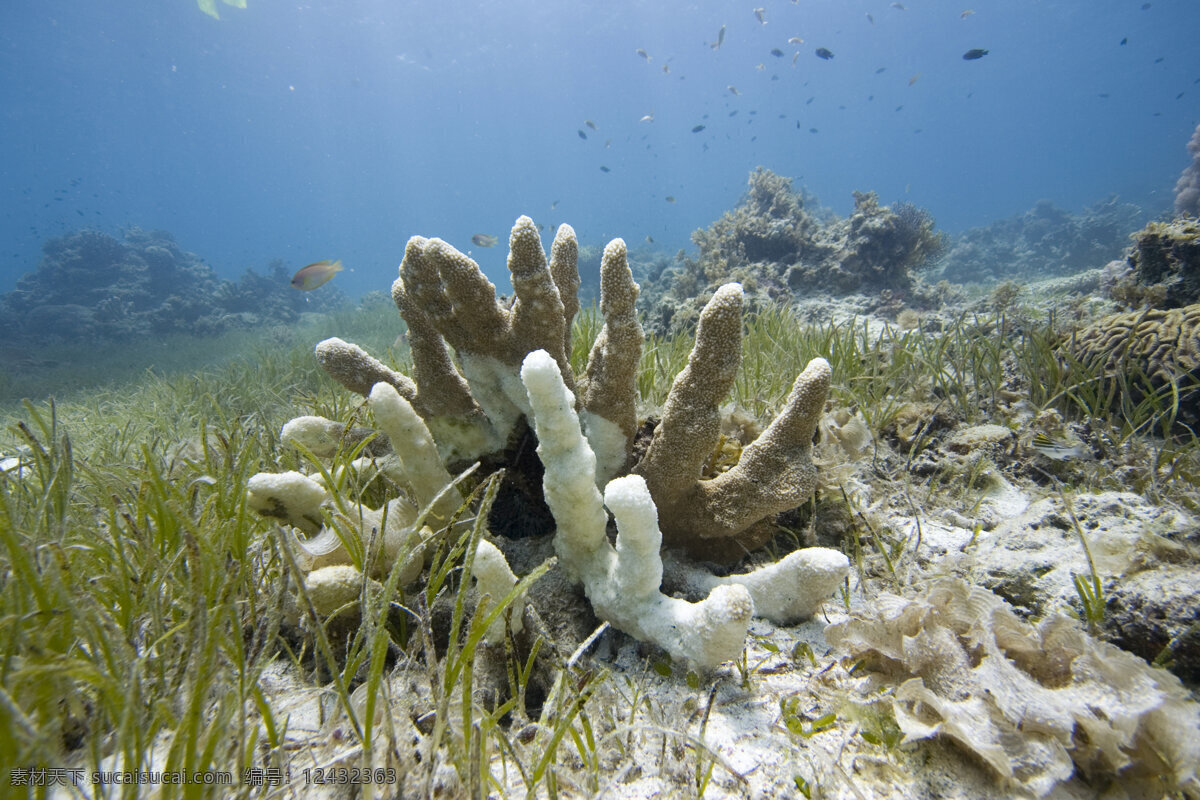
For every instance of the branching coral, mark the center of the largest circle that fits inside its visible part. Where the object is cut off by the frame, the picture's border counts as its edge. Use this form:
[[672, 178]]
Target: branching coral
[[484, 372]]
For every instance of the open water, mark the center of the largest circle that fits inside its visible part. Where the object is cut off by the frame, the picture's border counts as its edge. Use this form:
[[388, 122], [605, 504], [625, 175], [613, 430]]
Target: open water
[[339, 128]]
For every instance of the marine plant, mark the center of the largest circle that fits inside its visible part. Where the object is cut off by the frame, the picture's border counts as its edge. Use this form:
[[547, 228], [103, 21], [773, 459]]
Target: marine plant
[[210, 6]]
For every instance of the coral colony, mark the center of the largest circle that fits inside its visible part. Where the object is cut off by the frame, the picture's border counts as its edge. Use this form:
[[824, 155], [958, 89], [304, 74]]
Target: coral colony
[[512, 372]]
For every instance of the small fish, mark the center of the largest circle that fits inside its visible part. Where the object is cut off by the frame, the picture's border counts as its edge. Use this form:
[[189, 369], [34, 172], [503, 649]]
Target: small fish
[[760, 67], [812, 130], [607, 143], [974, 53], [761, 13], [720, 39], [795, 56], [808, 102], [1145, 6], [697, 128], [1176, 97], [666, 69], [881, 70], [825, 53], [898, 6], [870, 19], [647, 118], [795, 40], [649, 240], [483, 240], [1159, 60], [670, 198], [317, 274], [1104, 95], [590, 124], [1125, 41], [775, 51], [1058, 449], [643, 54], [604, 168], [914, 79], [554, 205], [966, 14], [582, 135], [733, 89]]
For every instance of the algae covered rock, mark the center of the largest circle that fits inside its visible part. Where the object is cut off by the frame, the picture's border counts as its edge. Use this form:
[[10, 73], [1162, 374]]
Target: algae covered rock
[[1162, 269]]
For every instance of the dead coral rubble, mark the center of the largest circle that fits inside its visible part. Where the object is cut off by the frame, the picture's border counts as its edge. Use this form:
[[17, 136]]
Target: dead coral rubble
[[1037, 704]]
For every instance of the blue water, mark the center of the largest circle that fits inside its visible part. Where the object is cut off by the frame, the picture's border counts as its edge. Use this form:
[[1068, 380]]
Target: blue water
[[316, 130]]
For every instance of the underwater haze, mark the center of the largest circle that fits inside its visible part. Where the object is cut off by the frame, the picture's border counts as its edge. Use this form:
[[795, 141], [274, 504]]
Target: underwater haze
[[336, 130]]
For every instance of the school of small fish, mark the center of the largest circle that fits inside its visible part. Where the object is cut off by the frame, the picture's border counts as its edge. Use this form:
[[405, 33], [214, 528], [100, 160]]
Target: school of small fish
[[793, 44]]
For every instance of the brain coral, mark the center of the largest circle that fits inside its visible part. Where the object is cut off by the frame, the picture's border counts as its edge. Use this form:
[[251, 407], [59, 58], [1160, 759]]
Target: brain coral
[[1153, 347]]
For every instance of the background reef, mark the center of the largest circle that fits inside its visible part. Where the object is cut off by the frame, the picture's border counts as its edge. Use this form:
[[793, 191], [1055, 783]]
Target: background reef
[[781, 246], [1042, 242], [90, 285]]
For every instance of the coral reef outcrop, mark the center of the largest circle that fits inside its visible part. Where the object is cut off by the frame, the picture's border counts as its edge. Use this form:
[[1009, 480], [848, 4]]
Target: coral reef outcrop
[[1043, 242], [780, 246], [1187, 188], [90, 285], [1161, 269], [488, 376]]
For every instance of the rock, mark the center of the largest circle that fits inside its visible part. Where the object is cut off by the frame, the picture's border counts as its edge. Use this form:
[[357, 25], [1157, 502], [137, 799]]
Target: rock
[[1155, 611], [1030, 558]]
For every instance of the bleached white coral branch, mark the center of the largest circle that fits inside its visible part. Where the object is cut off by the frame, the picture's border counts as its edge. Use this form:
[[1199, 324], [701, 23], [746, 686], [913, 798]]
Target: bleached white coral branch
[[622, 582]]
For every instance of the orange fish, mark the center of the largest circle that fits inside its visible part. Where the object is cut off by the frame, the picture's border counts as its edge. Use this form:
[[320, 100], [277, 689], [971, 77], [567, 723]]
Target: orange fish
[[315, 275]]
